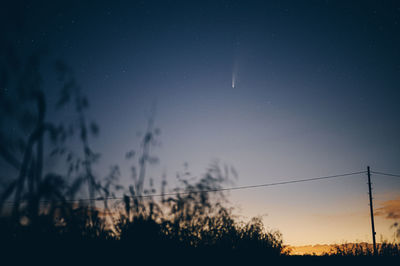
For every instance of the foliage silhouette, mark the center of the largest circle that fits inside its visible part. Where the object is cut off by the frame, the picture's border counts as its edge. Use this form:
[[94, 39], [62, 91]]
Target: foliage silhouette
[[363, 249], [45, 205]]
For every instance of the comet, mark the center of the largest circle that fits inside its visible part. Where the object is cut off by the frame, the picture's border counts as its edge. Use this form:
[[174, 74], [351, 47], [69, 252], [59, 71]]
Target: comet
[[234, 74]]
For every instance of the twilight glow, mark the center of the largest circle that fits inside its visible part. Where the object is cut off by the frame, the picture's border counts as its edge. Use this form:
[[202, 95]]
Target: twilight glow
[[279, 90]]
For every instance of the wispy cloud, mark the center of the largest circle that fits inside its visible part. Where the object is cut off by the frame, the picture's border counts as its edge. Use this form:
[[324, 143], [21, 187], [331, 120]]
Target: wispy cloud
[[390, 209]]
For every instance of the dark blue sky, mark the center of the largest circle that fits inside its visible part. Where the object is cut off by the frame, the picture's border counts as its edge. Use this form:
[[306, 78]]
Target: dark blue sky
[[316, 93]]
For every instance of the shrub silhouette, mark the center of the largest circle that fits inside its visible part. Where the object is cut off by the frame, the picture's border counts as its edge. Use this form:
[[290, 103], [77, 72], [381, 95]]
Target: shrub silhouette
[[193, 220], [364, 249]]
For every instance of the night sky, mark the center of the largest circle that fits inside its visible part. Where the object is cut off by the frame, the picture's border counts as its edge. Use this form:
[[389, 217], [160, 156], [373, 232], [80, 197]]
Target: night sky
[[316, 92]]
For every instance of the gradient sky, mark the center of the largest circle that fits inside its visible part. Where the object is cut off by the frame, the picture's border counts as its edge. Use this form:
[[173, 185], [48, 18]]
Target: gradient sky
[[316, 93]]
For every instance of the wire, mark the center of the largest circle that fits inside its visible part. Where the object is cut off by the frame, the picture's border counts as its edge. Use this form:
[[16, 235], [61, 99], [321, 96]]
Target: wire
[[380, 173], [213, 190]]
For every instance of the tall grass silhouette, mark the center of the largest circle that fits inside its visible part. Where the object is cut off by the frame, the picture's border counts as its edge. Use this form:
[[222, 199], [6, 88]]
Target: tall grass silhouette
[[43, 206]]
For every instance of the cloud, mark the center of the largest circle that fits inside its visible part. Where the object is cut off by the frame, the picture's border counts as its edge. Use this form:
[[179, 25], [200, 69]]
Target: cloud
[[390, 209]]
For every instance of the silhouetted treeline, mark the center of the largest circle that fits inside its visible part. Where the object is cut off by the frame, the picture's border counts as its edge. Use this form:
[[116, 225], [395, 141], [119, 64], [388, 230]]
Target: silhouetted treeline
[[364, 249]]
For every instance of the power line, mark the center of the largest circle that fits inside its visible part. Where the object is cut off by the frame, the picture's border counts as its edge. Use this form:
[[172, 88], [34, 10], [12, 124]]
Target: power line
[[387, 174], [211, 190]]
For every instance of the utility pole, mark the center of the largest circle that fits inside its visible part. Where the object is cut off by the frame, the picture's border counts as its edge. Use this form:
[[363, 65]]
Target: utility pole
[[371, 208]]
